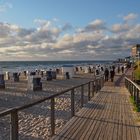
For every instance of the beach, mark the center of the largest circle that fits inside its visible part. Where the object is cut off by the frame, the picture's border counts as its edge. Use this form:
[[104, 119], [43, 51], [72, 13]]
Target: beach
[[34, 122]]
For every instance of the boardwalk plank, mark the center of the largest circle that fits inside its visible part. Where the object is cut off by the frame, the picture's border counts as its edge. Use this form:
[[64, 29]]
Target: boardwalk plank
[[90, 121], [108, 116], [73, 122], [100, 121]]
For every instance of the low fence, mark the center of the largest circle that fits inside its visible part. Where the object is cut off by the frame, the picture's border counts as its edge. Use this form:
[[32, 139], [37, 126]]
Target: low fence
[[92, 87], [134, 90]]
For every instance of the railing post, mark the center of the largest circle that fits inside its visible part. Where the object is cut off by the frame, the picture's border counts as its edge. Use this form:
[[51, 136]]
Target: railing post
[[126, 83], [134, 90], [82, 95], [137, 97], [135, 94], [14, 125], [52, 116], [72, 103], [129, 86], [131, 89], [89, 91]]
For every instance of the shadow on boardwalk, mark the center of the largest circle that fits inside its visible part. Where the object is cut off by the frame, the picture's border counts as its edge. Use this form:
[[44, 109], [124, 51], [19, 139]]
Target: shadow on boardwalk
[[120, 81], [107, 116]]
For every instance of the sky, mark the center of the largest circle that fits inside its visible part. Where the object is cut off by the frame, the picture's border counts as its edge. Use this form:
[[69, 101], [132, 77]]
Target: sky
[[68, 29]]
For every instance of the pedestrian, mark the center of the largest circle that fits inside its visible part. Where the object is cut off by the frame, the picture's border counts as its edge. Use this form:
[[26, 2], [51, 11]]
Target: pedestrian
[[113, 67], [102, 69], [122, 69], [118, 69], [67, 75], [97, 72], [89, 69], [106, 73], [112, 74]]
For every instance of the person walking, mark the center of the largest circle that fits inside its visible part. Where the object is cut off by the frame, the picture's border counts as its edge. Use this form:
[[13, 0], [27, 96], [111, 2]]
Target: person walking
[[118, 69], [106, 73], [112, 74], [122, 69]]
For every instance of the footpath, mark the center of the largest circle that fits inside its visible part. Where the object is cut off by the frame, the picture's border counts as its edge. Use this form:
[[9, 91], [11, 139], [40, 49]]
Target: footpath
[[108, 116]]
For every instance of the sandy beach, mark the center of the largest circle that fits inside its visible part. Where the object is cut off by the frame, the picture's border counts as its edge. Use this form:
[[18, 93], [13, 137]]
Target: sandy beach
[[34, 122]]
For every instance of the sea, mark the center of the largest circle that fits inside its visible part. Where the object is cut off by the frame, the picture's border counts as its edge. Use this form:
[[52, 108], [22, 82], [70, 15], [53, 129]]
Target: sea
[[18, 66]]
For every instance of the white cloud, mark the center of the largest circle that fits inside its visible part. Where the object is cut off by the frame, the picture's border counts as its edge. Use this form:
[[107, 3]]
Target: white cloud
[[95, 25], [65, 51], [130, 16], [51, 42], [42, 22], [117, 28]]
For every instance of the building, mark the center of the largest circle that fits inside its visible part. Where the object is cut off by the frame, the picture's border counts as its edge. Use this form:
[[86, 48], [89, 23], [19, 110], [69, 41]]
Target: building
[[135, 53], [135, 50]]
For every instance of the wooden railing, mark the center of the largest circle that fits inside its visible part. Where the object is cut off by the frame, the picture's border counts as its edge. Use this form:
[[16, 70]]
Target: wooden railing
[[93, 86], [134, 90]]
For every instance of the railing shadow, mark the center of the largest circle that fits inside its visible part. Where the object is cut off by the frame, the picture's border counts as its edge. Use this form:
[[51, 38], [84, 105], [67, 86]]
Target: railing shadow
[[92, 105]]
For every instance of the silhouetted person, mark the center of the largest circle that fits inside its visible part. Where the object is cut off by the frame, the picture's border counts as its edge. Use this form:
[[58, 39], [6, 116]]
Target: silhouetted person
[[106, 74], [97, 72], [67, 75], [113, 67], [76, 68], [102, 69], [112, 74], [118, 69], [89, 69], [122, 69]]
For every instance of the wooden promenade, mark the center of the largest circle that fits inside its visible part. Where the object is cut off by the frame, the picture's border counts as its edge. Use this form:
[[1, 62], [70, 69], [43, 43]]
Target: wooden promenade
[[108, 116]]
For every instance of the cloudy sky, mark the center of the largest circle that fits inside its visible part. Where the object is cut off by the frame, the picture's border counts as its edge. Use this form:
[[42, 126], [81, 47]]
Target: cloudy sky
[[68, 29]]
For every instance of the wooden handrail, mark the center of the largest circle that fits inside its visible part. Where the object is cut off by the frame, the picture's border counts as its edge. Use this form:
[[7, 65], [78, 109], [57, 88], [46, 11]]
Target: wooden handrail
[[6, 112], [134, 90], [14, 111], [133, 83]]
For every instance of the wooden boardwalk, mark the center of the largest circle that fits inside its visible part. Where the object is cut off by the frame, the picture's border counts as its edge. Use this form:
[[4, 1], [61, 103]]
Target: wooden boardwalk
[[108, 116]]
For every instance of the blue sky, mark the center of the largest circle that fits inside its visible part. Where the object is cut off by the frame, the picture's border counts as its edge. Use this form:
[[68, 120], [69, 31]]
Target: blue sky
[[82, 28], [77, 12]]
